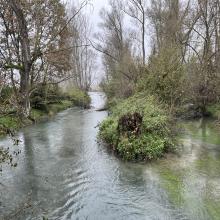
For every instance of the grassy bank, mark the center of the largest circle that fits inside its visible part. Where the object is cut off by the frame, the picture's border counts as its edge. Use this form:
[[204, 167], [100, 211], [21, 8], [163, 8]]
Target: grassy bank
[[78, 98], [42, 110], [38, 115], [138, 129]]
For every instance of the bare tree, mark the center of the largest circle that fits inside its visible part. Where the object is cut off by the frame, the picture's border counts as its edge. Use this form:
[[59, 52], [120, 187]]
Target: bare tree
[[82, 57], [136, 9], [115, 45]]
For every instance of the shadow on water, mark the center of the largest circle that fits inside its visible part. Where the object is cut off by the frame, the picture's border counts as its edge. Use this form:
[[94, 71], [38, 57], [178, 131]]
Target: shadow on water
[[63, 173]]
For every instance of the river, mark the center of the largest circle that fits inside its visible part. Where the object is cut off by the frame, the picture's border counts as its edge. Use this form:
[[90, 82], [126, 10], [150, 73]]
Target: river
[[63, 173]]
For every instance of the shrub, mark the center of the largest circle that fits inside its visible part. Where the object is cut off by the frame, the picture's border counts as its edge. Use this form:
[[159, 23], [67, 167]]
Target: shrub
[[149, 131], [78, 97], [165, 77], [50, 97], [45, 95], [6, 93]]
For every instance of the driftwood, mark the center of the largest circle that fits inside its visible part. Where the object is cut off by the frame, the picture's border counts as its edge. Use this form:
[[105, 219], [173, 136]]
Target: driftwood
[[102, 109]]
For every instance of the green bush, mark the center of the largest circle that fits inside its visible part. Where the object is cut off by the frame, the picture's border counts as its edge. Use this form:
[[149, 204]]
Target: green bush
[[165, 77], [156, 129], [45, 95], [49, 98], [9, 122], [108, 131], [6, 93], [78, 97]]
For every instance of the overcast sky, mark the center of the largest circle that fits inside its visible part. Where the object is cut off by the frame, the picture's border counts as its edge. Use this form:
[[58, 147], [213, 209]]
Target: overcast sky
[[93, 14], [97, 6]]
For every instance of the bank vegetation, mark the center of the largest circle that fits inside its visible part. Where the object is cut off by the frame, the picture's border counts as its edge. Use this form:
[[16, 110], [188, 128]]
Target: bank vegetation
[[163, 50], [46, 64]]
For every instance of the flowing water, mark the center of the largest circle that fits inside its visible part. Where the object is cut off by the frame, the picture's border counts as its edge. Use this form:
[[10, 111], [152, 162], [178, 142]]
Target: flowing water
[[63, 173]]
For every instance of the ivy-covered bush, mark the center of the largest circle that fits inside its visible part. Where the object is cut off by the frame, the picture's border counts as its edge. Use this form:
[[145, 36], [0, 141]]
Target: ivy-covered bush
[[138, 129]]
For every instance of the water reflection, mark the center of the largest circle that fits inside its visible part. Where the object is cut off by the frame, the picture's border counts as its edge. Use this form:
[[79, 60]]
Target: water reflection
[[204, 130]]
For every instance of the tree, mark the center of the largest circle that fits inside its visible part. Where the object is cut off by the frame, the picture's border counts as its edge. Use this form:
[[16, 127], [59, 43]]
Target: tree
[[34, 45], [116, 47], [26, 56], [136, 9], [83, 57]]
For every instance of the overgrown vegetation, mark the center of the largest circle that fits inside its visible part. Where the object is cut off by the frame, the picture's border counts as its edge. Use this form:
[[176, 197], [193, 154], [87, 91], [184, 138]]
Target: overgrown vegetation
[[165, 78], [45, 102], [182, 69], [37, 62], [138, 129], [78, 97]]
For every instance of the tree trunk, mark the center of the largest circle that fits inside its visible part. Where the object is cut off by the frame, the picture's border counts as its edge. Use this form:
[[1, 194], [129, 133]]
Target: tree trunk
[[143, 38], [26, 57]]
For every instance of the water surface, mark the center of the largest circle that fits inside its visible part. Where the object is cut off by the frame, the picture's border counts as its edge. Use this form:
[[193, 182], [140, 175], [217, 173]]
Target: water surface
[[63, 173]]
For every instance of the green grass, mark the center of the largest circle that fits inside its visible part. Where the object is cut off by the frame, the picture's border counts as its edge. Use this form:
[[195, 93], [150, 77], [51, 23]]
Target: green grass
[[10, 121], [14, 123], [37, 114], [42, 107]]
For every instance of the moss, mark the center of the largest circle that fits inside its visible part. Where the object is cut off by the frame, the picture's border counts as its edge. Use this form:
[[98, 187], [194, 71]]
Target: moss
[[172, 182], [210, 166], [213, 208], [155, 136]]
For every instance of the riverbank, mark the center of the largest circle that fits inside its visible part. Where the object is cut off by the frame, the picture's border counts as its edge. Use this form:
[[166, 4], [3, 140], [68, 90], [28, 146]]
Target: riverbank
[[11, 122]]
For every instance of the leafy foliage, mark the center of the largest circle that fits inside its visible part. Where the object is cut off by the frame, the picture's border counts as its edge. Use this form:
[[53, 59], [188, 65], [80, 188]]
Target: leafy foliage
[[165, 77], [155, 136], [51, 98], [78, 97], [45, 95], [6, 93]]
